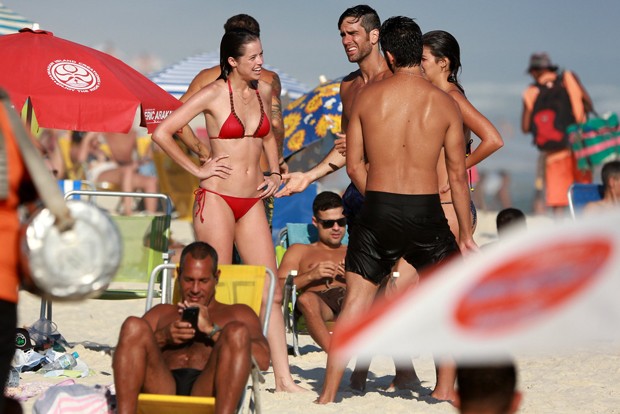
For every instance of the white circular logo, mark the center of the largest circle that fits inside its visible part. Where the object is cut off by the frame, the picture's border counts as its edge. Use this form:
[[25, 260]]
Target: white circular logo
[[73, 76]]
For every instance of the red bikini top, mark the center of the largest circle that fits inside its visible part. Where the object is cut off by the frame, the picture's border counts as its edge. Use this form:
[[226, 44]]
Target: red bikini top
[[234, 128]]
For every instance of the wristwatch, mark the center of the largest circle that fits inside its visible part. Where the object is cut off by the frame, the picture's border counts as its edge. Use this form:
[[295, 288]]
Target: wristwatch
[[216, 329]]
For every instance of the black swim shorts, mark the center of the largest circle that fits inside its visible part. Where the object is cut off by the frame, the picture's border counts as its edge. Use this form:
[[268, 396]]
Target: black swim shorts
[[392, 226], [185, 378]]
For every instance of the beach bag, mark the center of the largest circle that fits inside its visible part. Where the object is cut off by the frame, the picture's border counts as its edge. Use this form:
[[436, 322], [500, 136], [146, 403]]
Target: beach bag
[[595, 141], [551, 115]]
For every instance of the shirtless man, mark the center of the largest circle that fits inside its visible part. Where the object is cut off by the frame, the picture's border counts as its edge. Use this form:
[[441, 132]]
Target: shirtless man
[[359, 30], [321, 268], [610, 174], [162, 354], [395, 168]]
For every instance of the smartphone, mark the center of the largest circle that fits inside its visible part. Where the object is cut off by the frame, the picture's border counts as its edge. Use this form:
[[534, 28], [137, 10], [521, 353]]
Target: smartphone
[[191, 315]]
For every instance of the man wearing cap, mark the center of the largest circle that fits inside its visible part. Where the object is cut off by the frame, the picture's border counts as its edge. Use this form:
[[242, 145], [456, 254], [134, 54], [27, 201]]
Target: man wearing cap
[[556, 170]]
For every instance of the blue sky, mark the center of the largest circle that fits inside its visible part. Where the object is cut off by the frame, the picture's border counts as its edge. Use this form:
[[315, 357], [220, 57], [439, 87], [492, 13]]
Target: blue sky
[[301, 38]]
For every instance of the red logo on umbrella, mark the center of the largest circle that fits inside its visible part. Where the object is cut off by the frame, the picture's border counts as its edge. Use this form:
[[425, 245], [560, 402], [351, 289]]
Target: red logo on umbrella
[[528, 286], [73, 76]]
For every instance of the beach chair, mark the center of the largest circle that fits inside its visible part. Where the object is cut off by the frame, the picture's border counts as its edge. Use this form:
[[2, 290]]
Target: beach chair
[[177, 183], [237, 284], [75, 185], [145, 245], [293, 233], [581, 194], [174, 404]]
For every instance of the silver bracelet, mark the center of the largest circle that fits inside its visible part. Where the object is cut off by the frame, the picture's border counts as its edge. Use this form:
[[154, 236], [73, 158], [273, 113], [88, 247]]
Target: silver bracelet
[[216, 329]]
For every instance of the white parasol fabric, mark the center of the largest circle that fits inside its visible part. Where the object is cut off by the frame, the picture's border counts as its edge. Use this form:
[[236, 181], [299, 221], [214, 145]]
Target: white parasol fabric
[[11, 22], [175, 79], [541, 291]]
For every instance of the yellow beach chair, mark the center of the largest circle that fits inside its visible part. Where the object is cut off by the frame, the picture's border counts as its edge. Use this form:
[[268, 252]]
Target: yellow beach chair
[[177, 183], [174, 404]]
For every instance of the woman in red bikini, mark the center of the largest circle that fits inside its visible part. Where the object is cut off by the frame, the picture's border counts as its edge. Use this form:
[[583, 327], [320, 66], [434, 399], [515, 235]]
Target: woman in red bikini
[[228, 210]]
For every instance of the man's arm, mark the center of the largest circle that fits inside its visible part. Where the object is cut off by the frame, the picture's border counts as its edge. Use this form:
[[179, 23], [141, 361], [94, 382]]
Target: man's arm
[[291, 261], [187, 136], [270, 149], [528, 99], [577, 96], [333, 161], [276, 120], [175, 332], [299, 181], [356, 162]]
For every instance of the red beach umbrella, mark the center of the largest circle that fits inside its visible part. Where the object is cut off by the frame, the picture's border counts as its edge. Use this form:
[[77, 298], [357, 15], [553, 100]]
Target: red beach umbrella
[[74, 87]]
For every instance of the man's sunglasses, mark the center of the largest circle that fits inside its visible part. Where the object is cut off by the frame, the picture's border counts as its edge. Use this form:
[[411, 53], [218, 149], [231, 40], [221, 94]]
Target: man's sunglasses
[[328, 224]]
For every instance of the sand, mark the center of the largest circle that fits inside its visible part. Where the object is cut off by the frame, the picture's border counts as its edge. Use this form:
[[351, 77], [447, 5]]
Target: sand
[[584, 380]]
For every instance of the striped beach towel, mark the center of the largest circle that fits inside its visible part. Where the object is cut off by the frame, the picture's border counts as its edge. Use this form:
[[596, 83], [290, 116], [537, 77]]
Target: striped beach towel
[[75, 398]]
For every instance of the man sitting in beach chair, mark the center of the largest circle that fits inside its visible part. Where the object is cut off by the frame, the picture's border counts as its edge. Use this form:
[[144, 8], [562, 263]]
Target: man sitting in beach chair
[[320, 267], [165, 352], [610, 175]]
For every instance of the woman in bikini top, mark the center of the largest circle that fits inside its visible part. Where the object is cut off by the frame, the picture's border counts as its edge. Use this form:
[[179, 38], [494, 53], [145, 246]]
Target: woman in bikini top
[[234, 128], [441, 62], [228, 208]]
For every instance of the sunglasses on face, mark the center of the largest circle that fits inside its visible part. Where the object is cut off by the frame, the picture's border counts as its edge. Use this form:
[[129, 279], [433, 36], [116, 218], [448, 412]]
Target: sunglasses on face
[[328, 224]]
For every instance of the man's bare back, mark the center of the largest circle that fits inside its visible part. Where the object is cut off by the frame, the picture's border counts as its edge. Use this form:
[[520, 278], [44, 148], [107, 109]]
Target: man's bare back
[[412, 109], [122, 146]]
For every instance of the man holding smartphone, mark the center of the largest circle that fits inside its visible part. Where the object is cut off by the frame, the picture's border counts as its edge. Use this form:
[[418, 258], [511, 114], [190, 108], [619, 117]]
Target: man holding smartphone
[[199, 347]]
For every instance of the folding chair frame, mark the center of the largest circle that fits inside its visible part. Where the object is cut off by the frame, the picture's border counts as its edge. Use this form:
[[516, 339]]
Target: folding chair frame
[[46, 306], [581, 194]]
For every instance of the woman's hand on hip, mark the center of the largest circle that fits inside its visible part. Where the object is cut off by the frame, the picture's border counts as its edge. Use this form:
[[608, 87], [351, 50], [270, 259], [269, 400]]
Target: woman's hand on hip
[[215, 167]]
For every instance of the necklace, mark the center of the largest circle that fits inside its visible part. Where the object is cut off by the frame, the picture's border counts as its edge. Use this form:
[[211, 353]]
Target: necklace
[[245, 101]]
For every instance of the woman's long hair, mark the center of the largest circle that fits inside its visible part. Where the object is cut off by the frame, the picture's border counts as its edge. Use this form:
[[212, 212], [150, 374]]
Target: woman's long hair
[[443, 45], [233, 45]]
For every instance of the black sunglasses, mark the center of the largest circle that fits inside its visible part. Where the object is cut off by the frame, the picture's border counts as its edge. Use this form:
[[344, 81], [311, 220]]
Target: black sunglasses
[[328, 224]]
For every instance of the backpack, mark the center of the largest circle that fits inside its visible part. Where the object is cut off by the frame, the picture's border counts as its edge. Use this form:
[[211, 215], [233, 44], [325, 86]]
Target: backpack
[[551, 115]]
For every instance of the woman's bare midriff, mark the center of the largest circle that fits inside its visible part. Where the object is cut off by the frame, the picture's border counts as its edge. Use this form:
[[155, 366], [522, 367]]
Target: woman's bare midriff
[[246, 175]]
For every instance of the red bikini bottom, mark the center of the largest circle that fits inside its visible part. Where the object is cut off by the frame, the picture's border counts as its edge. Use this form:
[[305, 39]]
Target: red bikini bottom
[[238, 205]]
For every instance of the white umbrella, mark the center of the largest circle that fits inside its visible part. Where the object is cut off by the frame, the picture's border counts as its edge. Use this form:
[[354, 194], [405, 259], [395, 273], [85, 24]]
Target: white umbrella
[[540, 291], [11, 22], [176, 78]]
